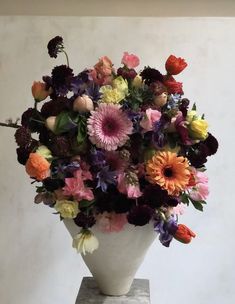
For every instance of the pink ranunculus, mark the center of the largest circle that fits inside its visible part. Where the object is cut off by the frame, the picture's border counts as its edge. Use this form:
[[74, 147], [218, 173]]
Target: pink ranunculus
[[132, 190], [102, 72], [131, 61], [201, 190], [111, 222], [74, 186], [150, 118]]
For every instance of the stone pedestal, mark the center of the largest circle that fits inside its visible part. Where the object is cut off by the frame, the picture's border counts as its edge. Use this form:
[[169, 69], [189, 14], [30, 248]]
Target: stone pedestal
[[90, 294]]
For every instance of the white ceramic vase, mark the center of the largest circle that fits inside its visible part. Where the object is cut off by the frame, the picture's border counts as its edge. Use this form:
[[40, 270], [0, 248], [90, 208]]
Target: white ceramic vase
[[116, 261]]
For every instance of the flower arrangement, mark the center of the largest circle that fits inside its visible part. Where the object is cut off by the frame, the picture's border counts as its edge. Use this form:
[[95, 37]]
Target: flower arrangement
[[114, 146]]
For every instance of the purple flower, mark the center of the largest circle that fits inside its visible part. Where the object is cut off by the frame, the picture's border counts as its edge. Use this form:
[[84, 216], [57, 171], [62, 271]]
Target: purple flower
[[62, 77], [166, 229], [97, 158], [105, 177], [159, 138], [55, 46], [140, 215]]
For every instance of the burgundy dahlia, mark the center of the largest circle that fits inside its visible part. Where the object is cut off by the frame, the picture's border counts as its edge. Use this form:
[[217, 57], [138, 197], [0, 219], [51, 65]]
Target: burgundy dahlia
[[85, 221], [60, 146], [150, 75]]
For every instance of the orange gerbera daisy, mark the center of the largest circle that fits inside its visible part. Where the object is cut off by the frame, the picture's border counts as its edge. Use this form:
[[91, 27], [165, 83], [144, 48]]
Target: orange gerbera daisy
[[169, 171]]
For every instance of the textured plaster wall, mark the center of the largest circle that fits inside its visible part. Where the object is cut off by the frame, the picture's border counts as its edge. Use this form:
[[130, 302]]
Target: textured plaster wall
[[37, 262]]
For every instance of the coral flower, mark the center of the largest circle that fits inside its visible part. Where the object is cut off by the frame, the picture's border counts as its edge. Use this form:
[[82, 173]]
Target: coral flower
[[111, 222], [37, 166], [169, 171], [109, 127], [183, 234]]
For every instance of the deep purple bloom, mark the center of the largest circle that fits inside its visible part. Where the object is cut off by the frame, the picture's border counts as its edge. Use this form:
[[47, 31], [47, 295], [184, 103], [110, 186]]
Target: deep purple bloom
[[77, 86], [62, 77], [150, 75], [55, 46], [180, 125], [211, 144], [153, 196], [93, 91], [140, 215], [85, 221], [97, 158], [55, 107], [63, 168], [158, 137], [105, 177], [31, 119], [52, 184], [126, 73], [23, 137], [23, 152], [183, 107], [197, 154], [166, 229]]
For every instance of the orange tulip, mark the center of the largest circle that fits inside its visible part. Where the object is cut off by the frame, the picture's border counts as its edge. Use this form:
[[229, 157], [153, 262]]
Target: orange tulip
[[183, 234]]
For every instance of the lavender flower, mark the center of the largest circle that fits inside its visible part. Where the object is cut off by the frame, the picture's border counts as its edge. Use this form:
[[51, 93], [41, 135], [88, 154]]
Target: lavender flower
[[166, 229], [105, 177]]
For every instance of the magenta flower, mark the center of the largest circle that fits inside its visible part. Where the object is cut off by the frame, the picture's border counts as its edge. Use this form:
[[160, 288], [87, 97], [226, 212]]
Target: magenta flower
[[109, 127], [74, 186]]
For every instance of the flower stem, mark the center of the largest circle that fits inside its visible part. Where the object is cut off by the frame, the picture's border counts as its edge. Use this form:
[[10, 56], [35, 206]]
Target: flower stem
[[9, 125], [67, 58]]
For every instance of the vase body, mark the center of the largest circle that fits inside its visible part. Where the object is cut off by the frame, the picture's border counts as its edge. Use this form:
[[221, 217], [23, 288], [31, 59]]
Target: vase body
[[116, 261]]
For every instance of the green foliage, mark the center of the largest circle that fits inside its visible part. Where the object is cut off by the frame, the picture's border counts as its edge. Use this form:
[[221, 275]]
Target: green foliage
[[86, 203], [186, 199], [65, 121], [82, 130]]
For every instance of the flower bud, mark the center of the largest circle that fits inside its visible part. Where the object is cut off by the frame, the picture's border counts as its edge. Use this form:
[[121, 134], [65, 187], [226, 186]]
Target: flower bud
[[39, 91], [83, 104], [50, 123], [183, 234], [160, 100]]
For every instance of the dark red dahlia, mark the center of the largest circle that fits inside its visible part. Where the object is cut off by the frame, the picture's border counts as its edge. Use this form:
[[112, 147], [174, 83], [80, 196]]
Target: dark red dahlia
[[32, 120], [60, 146], [55, 107]]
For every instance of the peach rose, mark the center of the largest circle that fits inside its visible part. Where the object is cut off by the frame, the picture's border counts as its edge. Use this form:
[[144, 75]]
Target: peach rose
[[39, 91], [102, 72], [37, 166]]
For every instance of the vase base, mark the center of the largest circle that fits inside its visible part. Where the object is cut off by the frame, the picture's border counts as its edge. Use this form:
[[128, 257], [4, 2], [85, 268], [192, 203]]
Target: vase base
[[89, 293]]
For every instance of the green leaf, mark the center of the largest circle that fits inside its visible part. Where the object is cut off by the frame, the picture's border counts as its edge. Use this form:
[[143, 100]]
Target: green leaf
[[64, 123], [86, 204], [82, 131], [194, 108], [197, 205], [185, 199]]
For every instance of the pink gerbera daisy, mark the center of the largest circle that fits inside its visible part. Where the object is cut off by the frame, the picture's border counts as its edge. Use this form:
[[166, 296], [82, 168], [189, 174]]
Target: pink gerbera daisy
[[109, 127]]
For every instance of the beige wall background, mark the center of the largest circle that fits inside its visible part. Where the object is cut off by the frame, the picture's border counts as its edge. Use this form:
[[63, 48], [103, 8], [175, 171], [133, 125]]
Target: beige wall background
[[118, 7]]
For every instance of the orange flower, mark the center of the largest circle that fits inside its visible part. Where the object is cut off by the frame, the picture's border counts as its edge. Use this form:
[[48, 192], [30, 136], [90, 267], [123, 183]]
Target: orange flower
[[184, 234], [37, 166], [169, 171]]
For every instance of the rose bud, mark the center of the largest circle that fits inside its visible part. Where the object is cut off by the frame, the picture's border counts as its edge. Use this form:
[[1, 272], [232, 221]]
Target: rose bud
[[160, 100], [50, 123], [39, 91], [183, 234], [175, 65], [83, 104]]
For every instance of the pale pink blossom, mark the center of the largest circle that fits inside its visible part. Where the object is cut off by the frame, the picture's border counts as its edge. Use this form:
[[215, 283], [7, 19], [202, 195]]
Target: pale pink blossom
[[111, 222], [127, 186], [149, 119], [179, 209], [130, 60], [74, 186], [201, 190]]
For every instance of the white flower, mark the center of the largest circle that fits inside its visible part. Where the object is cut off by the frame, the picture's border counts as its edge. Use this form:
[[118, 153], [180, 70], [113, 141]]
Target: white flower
[[85, 241]]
